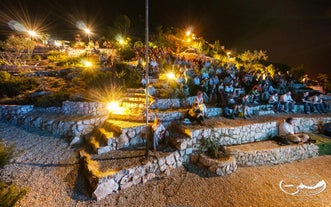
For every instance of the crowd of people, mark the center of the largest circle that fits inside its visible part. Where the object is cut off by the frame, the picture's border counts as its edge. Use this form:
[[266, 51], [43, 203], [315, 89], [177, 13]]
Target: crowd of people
[[234, 89]]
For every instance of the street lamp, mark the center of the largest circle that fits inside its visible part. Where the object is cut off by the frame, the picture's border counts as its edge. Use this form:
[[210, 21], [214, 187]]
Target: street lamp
[[32, 33], [88, 32]]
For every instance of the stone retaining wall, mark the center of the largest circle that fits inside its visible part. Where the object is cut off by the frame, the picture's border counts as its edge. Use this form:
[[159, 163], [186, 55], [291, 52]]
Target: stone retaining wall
[[84, 108], [126, 178], [279, 155], [8, 112], [222, 166], [250, 133], [232, 135], [51, 120]]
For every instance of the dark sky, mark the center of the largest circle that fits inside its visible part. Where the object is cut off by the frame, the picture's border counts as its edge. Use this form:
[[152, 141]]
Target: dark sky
[[294, 32]]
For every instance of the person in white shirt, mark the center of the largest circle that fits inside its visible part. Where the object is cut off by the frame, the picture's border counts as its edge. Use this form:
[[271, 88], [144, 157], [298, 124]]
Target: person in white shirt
[[286, 130], [199, 100], [287, 101]]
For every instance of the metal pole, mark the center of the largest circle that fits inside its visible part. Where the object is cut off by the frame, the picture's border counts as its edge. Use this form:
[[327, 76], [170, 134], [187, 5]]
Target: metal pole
[[146, 71]]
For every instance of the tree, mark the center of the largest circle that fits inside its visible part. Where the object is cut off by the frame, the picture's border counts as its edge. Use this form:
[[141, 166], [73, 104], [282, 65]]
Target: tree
[[249, 59], [298, 72], [17, 49], [322, 80], [122, 23]]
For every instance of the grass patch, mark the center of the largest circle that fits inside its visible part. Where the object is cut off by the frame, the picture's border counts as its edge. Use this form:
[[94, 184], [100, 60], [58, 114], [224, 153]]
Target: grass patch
[[323, 142]]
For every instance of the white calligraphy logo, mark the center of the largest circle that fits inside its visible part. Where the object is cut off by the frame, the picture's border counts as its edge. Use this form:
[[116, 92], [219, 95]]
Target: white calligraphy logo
[[302, 189]]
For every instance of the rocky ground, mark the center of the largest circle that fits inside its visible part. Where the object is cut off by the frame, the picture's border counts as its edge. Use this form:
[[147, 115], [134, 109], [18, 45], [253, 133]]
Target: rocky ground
[[49, 168]]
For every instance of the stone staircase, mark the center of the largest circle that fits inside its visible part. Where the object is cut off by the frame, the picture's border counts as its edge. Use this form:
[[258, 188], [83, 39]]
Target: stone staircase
[[118, 159], [246, 144], [116, 134]]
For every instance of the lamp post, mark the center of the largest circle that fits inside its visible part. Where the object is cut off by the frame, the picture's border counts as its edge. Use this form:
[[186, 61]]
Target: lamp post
[[32, 33], [146, 75], [88, 32], [228, 56]]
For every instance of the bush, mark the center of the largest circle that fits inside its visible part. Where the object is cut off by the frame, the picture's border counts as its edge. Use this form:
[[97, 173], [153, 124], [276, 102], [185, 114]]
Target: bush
[[53, 99], [6, 153], [212, 148], [10, 194], [37, 58], [11, 86], [126, 53], [56, 56]]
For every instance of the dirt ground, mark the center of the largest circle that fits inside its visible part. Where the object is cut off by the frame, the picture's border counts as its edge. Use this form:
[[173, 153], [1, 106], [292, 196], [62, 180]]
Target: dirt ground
[[49, 168]]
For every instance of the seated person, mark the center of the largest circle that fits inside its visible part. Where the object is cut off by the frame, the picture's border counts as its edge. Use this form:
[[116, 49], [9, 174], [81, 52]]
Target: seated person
[[255, 96], [318, 104], [232, 107], [287, 101], [286, 130], [274, 100], [307, 103], [199, 100], [195, 114], [160, 134], [245, 105]]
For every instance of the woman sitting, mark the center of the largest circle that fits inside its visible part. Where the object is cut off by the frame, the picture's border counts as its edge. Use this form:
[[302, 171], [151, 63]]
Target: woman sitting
[[200, 101], [195, 114]]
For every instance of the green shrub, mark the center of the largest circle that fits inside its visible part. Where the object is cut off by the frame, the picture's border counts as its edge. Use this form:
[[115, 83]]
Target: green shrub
[[4, 76], [37, 58], [11, 86], [126, 53], [120, 74], [53, 99], [212, 148], [6, 153], [56, 56], [10, 194], [69, 61]]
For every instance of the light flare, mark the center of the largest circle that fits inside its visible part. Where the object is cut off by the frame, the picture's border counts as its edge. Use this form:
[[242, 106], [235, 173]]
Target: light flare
[[115, 108], [171, 76]]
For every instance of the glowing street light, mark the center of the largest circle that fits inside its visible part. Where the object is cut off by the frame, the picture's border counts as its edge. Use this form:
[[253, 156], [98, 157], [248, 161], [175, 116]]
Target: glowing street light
[[88, 32], [32, 33], [188, 32], [171, 76]]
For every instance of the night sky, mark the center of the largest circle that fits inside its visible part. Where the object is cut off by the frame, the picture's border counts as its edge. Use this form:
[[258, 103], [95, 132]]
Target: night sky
[[294, 32]]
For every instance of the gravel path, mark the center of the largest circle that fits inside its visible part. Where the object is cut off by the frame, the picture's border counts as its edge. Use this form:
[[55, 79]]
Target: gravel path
[[49, 168]]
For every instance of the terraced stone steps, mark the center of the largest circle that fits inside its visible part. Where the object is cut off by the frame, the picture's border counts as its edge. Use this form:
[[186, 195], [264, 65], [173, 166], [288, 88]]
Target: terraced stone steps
[[115, 134], [121, 169]]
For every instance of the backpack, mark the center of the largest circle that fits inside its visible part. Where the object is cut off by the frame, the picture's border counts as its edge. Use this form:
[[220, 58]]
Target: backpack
[[280, 140]]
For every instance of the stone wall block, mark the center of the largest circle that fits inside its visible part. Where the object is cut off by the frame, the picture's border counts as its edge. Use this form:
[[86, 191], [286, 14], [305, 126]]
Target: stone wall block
[[105, 188]]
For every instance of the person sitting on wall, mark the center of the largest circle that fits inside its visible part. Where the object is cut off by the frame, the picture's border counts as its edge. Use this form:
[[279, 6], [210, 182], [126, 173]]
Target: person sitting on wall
[[200, 101], [195, 114], [274, 100], [160, 134], [286, 130], [287, 101], [307, 103]]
